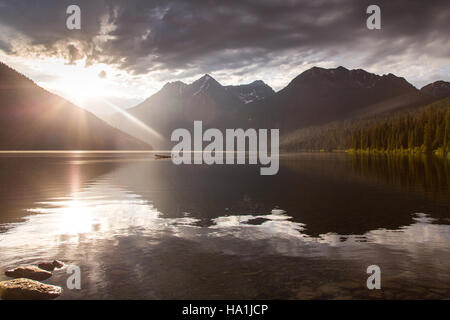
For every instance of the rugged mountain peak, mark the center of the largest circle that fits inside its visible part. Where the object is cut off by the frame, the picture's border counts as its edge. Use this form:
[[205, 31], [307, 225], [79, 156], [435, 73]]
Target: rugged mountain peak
[[259, 83], [176, 87], [314, 71], [255, 91], [319, 73], [439, 89], [174, 84], [205, 79], [205, 84], [391, 80], [343, 77], [339, 72]]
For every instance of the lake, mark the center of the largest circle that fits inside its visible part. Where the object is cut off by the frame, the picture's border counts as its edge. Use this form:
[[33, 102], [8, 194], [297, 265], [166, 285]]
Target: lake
[[141, 228]]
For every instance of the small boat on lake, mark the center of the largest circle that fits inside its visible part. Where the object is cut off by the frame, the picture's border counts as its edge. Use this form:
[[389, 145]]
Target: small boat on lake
[[162, 156]]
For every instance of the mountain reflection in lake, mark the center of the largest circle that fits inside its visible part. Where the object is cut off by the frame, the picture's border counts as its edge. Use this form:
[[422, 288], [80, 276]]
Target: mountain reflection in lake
[[144, 228]]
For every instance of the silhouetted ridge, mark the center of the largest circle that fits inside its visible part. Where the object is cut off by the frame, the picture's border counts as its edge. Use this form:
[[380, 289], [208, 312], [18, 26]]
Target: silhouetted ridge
[[34, 119], [320, 95], [439, 89]]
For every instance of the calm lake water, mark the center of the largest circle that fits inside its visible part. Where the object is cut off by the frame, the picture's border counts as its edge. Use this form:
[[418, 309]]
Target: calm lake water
[[141, 228]]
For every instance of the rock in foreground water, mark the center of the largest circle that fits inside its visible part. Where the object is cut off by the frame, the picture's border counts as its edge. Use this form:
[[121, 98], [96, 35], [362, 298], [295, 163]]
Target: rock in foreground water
[[29, 272], [26, 289], [58, 264], [48, 266]]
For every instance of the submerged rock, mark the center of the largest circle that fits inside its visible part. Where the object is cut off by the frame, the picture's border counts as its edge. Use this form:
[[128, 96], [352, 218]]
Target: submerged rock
[[58, 264], [50, 266], [29, 272], [26, 289]]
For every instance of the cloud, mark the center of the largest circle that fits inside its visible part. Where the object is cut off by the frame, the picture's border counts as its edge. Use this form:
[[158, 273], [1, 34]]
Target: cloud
[[186, 38]]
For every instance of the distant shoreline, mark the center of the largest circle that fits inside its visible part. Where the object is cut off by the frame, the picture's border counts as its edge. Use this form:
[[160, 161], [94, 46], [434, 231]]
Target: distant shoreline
[[282, 154], [80, 151]]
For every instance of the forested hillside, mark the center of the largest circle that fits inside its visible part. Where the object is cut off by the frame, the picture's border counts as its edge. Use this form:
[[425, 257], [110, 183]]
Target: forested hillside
[[425, 129]]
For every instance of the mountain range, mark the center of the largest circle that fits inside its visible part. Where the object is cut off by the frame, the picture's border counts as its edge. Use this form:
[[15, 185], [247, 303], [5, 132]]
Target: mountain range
[[178, 105], [318, 96], [315, 97], [35, 119]]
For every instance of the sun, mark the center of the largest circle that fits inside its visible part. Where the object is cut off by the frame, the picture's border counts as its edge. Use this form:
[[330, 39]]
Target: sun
[[77, 82], [81, 85]]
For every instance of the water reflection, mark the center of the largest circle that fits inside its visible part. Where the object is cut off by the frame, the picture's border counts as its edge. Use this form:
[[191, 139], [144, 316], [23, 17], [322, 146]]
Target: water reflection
[[141, 228], [429, 174]]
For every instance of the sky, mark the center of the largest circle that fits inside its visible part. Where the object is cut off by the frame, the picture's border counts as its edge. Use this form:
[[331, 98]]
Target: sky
[[127, 50]]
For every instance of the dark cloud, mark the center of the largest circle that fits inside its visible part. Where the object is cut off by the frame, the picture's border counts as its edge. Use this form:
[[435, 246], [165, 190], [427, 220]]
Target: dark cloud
[[211, 35]]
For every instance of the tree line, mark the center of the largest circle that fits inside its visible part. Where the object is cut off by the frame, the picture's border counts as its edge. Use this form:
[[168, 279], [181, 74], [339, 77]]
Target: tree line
[[422, 130]]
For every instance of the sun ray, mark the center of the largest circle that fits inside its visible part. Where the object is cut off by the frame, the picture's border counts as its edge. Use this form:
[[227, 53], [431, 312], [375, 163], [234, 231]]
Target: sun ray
[[133, 119]]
